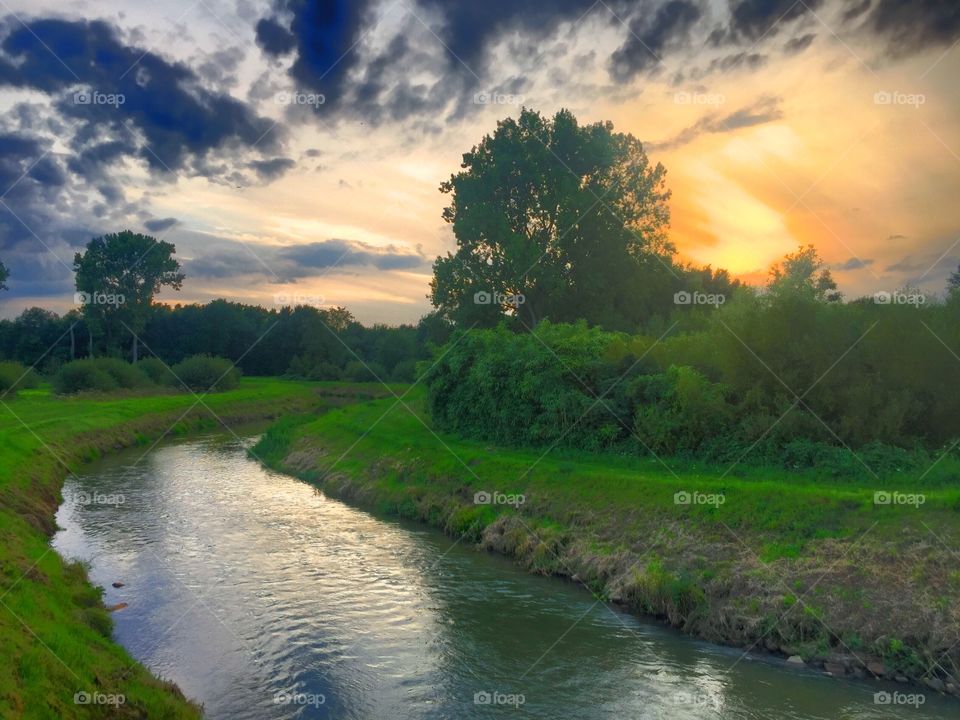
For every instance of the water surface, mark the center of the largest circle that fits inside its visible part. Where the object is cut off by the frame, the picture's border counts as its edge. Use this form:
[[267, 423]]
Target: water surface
[[262, 598]]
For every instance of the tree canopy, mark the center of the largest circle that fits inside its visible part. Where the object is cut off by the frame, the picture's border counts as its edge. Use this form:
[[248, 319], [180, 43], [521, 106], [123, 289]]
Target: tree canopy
[[117, 278], [556, 220]]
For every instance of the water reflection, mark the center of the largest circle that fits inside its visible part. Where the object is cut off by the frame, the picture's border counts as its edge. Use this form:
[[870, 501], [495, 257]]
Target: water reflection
[[262, 598]]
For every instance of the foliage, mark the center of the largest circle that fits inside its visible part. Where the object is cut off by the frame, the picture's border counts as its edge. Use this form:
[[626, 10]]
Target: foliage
[[203, 373], [157, 370], [15, 377], [571, 219], [99, 374], [117, 277]]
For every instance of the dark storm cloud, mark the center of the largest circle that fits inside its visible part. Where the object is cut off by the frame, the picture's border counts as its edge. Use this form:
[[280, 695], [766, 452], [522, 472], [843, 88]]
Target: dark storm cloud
[[178, 118], [766, 109], [290, 263], [649, 38], [908, 27], [271, 169], [159, 224], [752, 20]]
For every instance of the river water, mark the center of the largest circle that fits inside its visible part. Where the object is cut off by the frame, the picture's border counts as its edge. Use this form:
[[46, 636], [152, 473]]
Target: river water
[[262, 598]]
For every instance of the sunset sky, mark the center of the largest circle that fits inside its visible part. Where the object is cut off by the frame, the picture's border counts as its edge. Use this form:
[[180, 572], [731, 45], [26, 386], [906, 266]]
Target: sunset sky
[[294, 150]]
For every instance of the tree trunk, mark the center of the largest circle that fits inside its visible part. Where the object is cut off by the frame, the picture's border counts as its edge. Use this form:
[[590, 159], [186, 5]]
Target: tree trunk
[[73, 343], [90, 343], [136, 349]]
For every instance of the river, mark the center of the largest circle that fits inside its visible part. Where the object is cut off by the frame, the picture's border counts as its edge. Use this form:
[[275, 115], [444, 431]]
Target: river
[[263, 598]]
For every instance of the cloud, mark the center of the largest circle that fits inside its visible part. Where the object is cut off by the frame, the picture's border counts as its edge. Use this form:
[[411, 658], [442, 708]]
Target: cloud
[[669, 27], [909, 27], [292, 262], [854, 263], [124, 100], [766, 109], [753, 20], [159, 224], [271, 169], [799, 44]]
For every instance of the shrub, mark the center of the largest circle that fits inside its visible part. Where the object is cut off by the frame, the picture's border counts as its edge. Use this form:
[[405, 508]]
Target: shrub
[[158, 371], [364, 372], [404, 371], [15, 377], [99, 374], [205, 373]]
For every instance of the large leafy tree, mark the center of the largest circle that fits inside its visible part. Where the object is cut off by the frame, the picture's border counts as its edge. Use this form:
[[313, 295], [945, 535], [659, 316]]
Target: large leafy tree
[[953, 283], [572, 218], [4, 274], [118, 277], [803, 273]]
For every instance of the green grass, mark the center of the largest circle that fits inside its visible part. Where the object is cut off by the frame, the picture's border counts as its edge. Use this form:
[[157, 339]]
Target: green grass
[[54, 632], [789, 556]]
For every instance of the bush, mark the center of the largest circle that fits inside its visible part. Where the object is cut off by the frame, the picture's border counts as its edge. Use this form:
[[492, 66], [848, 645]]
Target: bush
[[15, 377], [364, 372], [404, 371], [99, 374], [158, 372], [205, 373]]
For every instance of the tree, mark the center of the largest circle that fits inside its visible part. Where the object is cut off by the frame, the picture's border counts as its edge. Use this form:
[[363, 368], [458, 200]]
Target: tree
[[953, 282], [803, 272], [117, 278], [4, 274], [553, 219]]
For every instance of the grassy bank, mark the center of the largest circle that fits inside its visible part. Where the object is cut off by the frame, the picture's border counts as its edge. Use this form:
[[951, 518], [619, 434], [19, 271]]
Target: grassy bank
[[758, 558], [54, 631]]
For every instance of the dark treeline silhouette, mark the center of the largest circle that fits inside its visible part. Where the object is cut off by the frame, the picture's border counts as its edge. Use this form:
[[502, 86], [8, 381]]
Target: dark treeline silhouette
[[303, 341]]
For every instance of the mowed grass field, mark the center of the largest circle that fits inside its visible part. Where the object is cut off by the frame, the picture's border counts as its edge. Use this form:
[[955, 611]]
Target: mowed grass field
[[54, 632]]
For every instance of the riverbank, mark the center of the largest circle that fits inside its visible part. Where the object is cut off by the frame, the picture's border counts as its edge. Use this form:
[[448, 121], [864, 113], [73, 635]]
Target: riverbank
[[58, 656], [855, 579]]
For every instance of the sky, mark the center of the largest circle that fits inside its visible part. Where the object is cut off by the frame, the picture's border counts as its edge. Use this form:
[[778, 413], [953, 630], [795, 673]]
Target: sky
[[293, 151]]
